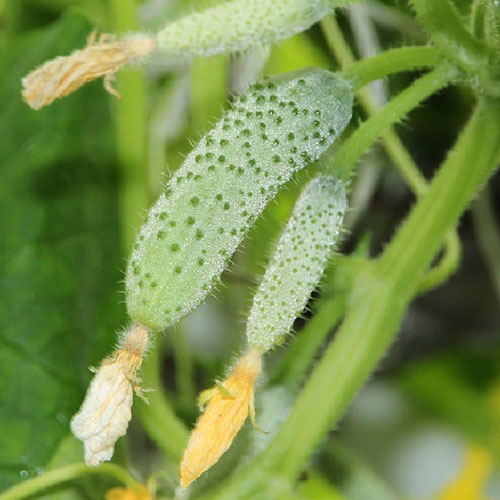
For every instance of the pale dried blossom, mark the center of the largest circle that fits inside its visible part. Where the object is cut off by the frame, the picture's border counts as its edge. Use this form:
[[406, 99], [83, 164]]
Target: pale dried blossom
[[107, 408], [103, 56], [229, 405]]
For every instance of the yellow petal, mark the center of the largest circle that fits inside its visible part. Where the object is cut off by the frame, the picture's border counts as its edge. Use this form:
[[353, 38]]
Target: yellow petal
[[222, 419], [472, 479], [63, 75], [139, 493]]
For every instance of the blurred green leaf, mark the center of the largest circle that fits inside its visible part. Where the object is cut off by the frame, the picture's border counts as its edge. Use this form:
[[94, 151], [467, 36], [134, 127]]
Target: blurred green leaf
[[59, 251], [455, 387]]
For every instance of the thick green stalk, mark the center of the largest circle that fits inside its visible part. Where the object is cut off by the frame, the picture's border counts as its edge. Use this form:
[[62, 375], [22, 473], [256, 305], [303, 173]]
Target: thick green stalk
[[376, 307], [394, 147], [130, 130], [67, 473], [372, 129]]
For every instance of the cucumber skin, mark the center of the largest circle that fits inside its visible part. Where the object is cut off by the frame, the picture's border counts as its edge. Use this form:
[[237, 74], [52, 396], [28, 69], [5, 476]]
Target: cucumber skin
[[239, 25], [190, 233], [298, 261]]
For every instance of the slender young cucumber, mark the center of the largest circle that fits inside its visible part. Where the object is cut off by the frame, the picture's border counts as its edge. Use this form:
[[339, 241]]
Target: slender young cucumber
[[272, 131], [298, 261]]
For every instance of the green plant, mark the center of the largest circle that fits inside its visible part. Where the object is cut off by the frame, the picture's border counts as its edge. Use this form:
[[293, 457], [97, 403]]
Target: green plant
[[269, 133]]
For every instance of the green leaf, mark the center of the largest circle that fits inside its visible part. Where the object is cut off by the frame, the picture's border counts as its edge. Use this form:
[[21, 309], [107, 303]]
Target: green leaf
[[59, 257]]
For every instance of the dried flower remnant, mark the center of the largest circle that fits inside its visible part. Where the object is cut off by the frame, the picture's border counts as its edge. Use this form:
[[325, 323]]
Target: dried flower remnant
[[228, 407], [103, 56], [106, 410]]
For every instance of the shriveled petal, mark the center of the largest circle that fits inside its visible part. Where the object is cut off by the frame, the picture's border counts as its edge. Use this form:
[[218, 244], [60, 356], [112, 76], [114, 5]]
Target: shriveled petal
[[105, 413], [222, 419], [63, 75], [107, 408]]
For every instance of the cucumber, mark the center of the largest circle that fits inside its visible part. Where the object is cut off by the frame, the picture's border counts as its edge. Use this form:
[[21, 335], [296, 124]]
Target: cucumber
[[272, 131], [239, 25], [298, 261]]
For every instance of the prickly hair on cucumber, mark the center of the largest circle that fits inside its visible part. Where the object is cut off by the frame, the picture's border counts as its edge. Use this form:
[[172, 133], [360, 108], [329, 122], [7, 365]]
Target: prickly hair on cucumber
[[276, 128]]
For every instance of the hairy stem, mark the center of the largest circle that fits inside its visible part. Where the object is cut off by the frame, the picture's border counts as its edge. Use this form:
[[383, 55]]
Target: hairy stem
[[391, 61], [444, 23], [372, 129]]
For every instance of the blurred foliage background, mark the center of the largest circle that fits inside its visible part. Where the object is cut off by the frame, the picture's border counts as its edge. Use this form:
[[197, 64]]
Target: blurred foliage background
[[75, 180]]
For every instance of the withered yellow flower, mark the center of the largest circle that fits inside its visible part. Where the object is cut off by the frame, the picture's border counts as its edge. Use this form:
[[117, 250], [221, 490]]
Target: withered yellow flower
[[106, 410], [227, 409], [102, 56], [139, 493]]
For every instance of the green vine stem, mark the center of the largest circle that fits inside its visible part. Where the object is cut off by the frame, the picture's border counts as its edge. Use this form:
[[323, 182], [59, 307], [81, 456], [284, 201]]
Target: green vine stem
[[373, 68], [394, 147], [130, 130], [372, 129], [379, 300], [68, 473], [448, 263], [477, 17]]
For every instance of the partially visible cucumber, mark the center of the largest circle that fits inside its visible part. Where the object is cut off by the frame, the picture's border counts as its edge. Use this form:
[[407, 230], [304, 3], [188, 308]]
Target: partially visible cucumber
[[190, 233], [240, 24]]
